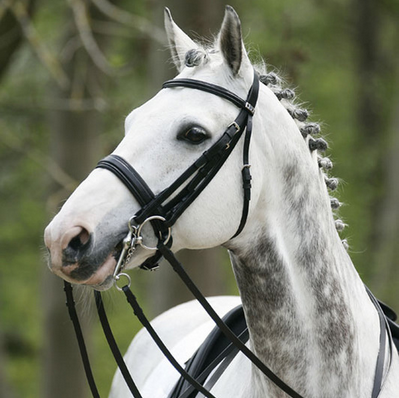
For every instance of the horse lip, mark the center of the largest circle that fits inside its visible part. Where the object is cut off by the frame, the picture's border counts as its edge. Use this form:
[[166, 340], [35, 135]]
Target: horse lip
[[78, 272], [105, 285], [103, 273], [118, 250]]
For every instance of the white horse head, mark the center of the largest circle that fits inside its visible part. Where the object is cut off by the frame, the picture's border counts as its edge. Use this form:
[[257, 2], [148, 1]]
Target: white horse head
[[308, 313], [162, 138]]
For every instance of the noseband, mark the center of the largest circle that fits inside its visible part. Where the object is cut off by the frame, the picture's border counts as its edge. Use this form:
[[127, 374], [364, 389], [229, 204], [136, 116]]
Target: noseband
[[162, 211]]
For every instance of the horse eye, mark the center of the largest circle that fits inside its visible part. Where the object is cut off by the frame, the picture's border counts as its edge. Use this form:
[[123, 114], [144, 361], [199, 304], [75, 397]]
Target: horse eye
[[194, 135]]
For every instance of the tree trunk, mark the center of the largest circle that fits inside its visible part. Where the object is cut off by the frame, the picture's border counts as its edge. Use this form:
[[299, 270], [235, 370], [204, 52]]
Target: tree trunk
[[11, 39], [206, 268], [75, 148], [378, 144], [387, 250], [11, 36], [6, 390], [370, 125], [74, 137]]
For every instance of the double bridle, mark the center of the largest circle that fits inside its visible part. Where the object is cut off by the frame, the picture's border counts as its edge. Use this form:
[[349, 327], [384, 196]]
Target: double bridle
[[162, 211]]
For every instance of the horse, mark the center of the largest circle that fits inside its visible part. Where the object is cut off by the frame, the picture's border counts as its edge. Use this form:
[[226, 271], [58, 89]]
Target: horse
[[309, 316]]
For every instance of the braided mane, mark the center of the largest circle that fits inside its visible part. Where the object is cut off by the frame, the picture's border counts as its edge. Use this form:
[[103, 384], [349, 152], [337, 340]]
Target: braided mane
[[310, 130]]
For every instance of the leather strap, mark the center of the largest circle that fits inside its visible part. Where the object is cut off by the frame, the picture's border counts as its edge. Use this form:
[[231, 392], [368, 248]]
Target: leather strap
[[135, 184], [114, 346], [385, 335], [178, 268], [70, 303], [131, 299], [219, 371], [209, 88], [215, 352], [200, 172]]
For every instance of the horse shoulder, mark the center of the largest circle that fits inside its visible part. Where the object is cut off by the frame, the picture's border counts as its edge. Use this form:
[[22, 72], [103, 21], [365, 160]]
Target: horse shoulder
[[182, 329]]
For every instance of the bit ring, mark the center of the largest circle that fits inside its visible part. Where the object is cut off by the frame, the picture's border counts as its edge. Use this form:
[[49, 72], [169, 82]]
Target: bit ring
[[140, 242], [118, 277]]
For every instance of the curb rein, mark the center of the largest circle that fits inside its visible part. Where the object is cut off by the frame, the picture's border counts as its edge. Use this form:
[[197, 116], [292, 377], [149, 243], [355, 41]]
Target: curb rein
[[162, 217]]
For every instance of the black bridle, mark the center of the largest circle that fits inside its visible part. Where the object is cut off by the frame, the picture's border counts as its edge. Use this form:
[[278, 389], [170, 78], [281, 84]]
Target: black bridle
[[201, 172], [162, 211]]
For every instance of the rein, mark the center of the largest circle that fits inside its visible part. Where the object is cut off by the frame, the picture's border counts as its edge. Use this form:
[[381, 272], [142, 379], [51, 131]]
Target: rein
[[162, 211]]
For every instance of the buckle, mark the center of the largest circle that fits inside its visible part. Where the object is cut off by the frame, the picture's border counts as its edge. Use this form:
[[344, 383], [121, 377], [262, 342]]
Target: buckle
[[250, 108], [235, 125]]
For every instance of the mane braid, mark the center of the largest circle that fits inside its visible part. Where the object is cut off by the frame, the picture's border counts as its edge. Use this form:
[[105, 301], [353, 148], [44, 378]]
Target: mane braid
[[309, 130]]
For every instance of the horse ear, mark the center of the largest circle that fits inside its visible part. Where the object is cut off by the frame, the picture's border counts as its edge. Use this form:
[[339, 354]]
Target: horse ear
[[179, 42], [230, 40]]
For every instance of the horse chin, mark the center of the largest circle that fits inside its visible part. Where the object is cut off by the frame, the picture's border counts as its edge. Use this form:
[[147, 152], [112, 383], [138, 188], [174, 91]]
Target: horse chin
[[105, 285], [97, 271], [102, 279]]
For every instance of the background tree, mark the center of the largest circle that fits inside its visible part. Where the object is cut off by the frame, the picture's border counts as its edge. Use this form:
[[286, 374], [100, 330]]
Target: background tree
[[12, 36], [74, 147]]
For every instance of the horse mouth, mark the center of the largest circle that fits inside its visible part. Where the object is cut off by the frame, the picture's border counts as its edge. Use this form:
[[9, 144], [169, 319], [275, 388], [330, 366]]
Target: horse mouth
[[105, 285], [95, 265], [106, 270], [94, 271], [117, 252], [103, 277]]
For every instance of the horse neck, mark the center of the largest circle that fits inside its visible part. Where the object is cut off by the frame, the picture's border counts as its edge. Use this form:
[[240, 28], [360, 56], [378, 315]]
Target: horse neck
[[305, 305]]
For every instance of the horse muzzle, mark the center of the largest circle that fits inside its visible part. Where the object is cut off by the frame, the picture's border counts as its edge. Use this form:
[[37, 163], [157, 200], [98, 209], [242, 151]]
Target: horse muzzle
[[73, 257]]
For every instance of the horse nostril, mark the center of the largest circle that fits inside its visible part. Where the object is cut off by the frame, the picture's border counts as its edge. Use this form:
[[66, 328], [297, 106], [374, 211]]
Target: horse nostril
[[80, 240], [76, 243], [75, 239]]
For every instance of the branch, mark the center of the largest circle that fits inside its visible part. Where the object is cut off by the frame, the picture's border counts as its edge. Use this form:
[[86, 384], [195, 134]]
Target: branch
[[135, 21], [110, 29], [3, 7], [48, 164], [45, 56], [86, 35]]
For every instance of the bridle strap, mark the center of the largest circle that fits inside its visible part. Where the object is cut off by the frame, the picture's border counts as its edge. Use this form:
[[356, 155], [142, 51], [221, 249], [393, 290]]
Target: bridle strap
[[385, 334], [169, 256], [70, 303], [246, 177], [201, 171], [196, 177], [209, 88], [114, 346], [145, 322], [244, 120], [178, 268], [134, 183]]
